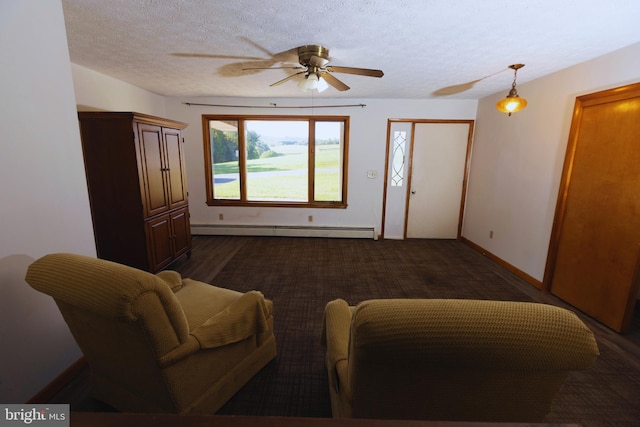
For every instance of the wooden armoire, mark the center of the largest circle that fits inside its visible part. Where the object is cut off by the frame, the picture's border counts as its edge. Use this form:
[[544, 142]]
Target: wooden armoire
[[136, 177]]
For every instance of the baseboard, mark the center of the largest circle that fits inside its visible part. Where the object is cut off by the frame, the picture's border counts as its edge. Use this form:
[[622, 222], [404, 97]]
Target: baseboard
[[521, 274], [284, 230], [60, 382]]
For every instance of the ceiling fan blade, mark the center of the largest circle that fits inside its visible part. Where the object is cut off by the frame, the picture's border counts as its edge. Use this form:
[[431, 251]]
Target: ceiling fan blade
[[358, 71], [274, 68], [452, 90], [333, 81], [206, 55], [279, 82], [316, 61]]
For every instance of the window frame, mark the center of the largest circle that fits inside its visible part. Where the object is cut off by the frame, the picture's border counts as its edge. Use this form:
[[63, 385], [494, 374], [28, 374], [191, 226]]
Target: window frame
[[241, 118]]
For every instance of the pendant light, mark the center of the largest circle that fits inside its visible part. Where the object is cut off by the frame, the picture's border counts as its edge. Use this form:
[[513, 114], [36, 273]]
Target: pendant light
[[512, 103]]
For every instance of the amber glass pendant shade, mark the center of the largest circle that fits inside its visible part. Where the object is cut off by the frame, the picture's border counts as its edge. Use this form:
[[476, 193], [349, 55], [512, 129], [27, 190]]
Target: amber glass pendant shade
[[512, 103]]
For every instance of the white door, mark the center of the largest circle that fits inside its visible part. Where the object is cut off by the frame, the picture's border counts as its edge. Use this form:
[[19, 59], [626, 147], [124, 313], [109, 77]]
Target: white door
[[438, 159]]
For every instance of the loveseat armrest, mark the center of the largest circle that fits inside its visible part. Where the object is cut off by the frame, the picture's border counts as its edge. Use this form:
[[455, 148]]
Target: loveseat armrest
[[245, 317], [335, 337]]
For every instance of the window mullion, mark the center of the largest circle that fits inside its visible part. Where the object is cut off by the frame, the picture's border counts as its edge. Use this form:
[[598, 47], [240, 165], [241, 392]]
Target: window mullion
[[312, 160], [242, 159]]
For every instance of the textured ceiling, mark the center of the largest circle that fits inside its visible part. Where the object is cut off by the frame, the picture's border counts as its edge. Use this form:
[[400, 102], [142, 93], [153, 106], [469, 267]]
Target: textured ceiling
[[199, 47]]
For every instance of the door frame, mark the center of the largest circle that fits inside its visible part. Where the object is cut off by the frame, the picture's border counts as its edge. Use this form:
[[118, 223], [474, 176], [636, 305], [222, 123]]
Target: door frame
[[409, 164]]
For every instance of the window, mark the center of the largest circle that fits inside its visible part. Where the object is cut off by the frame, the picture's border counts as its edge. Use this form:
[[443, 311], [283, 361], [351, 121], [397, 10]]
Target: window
[[276, 160], [397, 163]]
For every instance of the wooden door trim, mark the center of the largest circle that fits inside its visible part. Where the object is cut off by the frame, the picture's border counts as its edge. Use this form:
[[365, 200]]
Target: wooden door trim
[[409, 166], [601, 97]]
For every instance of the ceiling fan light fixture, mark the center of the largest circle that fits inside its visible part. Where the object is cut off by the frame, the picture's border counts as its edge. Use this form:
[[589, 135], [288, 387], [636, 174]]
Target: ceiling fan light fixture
[[312, 82], [322, 85], [512, 103]]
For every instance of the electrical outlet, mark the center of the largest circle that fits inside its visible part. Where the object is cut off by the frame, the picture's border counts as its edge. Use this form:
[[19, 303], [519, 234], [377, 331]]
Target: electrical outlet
[[310, 218], [371, 174], [491, 234], [220, 217]]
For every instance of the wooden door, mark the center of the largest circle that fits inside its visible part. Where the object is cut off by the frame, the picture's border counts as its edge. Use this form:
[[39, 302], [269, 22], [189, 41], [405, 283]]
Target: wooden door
[[153, 182], [594, 253], [436, 180], [175, 167]]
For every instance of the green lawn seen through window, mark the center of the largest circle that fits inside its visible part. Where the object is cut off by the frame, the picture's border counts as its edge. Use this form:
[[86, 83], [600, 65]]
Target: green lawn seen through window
[[293, 186]]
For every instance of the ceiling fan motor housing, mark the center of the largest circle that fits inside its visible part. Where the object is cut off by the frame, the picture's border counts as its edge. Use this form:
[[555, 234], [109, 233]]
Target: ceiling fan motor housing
[[306, 52]]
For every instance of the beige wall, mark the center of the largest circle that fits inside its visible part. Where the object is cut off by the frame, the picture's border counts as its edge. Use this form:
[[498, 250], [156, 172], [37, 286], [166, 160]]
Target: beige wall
[[517, 161], [45, 207], [96, 91]]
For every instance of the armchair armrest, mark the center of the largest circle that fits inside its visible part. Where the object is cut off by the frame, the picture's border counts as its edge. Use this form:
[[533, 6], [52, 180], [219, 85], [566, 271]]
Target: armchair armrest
[[172, 278], [177, 354], [243, 318], [335, 337]]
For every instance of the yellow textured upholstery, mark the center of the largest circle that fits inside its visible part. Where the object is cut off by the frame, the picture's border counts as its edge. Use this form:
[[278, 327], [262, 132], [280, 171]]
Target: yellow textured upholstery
[[158, 343], [438, 359]]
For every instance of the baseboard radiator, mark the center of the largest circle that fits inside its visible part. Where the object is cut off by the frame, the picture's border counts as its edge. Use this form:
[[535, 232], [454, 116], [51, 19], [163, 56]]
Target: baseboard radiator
[[284, 230]]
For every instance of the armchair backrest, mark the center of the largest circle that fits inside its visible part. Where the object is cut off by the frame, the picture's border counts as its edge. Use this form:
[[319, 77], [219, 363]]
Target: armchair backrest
[[122, 318], [462, 359]]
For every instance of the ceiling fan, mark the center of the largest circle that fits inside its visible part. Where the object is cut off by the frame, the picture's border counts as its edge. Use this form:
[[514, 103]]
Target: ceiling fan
[[316, 71]]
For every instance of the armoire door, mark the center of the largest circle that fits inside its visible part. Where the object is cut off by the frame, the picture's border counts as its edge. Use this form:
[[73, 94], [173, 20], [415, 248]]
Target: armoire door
[[159, 241], [181, 231], [175, 167], [595, 246], [152, 169]]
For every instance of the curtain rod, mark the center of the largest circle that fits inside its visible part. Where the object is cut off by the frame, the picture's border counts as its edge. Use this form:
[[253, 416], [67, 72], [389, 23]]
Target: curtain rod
[[274, 105]]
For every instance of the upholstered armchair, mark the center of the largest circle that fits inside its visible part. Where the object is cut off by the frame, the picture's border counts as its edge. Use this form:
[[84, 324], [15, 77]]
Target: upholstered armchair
[[158, 343], [462, 360]]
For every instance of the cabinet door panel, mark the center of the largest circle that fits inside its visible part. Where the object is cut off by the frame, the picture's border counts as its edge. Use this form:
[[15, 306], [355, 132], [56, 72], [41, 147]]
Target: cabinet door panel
[[181, 232], [159, 240], [177, 182], [153, 183]]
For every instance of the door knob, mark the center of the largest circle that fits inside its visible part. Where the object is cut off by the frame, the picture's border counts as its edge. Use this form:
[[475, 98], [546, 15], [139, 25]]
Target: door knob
[[413, 191]]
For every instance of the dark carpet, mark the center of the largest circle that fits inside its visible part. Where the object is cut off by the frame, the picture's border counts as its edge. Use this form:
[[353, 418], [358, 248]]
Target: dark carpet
[[301, 275]]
